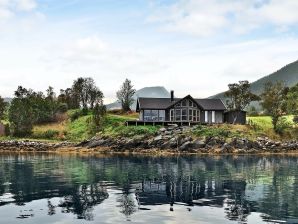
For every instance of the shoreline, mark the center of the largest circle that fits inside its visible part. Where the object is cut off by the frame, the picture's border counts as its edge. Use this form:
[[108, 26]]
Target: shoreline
[[27, 146]]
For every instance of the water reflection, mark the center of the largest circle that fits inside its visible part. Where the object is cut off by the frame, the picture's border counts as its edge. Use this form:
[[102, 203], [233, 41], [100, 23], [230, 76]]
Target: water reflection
[[239, 186]]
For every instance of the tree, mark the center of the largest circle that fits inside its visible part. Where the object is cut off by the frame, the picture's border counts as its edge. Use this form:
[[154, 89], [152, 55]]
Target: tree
[[274, 101], [240, 97], [125, 95], [2, 108], [86, 92], [21, 114], [292, 100], [98, 114]]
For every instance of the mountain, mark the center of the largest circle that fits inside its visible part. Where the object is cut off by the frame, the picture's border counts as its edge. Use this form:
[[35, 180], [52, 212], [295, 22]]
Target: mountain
[[7, 99], [288, 74], [155, 92]]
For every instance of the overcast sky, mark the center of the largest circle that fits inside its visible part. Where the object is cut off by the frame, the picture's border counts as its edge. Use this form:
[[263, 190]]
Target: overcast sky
[[195, 47]]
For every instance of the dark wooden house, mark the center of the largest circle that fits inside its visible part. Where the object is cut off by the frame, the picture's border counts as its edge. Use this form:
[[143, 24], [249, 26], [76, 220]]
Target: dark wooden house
[[180, 110]]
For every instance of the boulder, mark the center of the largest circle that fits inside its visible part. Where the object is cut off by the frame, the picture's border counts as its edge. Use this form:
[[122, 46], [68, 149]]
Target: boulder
[[198, 144], [186, 146]]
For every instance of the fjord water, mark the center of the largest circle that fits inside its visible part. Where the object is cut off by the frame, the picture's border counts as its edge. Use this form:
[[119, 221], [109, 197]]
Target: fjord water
[[54, 188]]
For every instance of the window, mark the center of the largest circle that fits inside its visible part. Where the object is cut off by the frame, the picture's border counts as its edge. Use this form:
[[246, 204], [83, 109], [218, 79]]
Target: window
[[161, 115], [147, 115], [198, 115], [184, 114], [194, 115], [190, 114], [213, 117], [206, 116], [154, 115], [172, 115], [178, 104], [178, 115], [190, 103], [184, 103]]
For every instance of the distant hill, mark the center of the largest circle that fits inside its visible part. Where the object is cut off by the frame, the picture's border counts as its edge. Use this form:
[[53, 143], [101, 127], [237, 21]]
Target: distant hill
[[7, 99], [288, 74], [155, 92]]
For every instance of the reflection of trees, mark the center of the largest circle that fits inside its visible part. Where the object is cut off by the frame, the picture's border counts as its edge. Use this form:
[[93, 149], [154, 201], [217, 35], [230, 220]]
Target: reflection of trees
[[195, 181], [82, 200], [127, 204]]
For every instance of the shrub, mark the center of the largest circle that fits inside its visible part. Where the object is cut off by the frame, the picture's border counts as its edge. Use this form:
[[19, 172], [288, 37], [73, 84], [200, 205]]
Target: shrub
[[295, 119], [75, 114], [281, 125], [48, 134], [6, 129], [62, 108], [211, 131]]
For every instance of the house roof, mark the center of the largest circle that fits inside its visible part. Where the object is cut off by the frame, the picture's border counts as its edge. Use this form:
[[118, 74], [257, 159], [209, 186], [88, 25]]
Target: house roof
[[165, 103]]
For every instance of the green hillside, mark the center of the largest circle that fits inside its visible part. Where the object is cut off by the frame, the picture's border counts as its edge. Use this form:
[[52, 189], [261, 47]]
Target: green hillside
[[288, 74]]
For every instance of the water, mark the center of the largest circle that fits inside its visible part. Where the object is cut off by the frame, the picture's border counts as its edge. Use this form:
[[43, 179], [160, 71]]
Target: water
[[52, 188]]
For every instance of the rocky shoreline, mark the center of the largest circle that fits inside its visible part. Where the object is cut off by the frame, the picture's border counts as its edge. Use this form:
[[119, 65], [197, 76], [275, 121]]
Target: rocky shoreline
[[171, 139]]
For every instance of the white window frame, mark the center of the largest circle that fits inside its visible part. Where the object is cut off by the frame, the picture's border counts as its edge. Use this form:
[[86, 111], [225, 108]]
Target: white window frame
[[190, 117], [185, 116], [172, 115]]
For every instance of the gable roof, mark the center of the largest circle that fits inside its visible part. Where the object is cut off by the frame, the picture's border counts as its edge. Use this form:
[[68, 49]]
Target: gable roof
[[164, 103]]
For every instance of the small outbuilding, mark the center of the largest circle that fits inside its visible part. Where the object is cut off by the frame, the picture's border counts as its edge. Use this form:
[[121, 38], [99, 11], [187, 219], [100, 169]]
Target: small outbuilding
[[235, 117]]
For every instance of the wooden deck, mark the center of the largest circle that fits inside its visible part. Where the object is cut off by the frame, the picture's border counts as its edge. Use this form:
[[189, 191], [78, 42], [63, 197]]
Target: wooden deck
[[162, 123]]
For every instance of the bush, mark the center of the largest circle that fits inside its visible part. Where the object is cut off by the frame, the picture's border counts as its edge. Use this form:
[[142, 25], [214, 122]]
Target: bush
[[48, 134], [75, 114], [211, 131], [62, 108], [295, 119], [281, 125], [7, 130]]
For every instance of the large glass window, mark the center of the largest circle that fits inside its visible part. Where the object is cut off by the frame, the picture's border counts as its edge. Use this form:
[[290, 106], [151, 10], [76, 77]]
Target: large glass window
[[147, 115], [172, 115], [154, 114], [184, 103], [178, 115], [190, 103], [161, 115], [190, 114], [184, 114], [178, 104], [198, 115], [194, 115]]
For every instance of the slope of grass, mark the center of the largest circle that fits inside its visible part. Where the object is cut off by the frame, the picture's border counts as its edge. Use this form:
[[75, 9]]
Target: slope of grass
[[114, 126]]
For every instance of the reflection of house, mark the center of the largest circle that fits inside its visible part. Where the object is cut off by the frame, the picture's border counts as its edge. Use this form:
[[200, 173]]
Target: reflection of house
[[185, 109]]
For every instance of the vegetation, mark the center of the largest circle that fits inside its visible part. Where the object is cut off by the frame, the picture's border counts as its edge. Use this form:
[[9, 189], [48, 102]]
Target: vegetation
[[2, 108], [239, 97], [125, 95], [262, 126], [273, 101], [78, 113]]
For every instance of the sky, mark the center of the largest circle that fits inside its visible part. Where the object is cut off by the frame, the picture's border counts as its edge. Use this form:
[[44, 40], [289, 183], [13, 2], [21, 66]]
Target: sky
[[194, 47]]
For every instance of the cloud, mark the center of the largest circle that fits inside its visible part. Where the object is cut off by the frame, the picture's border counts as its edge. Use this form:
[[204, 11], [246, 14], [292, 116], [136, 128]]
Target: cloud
[[205, 18], [95, 53], [10, 8]]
